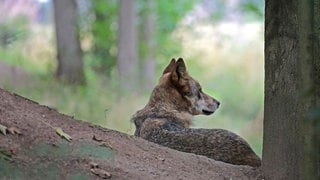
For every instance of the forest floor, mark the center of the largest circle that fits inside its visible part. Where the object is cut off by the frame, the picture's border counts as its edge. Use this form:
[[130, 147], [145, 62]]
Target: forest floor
[[32, 149]]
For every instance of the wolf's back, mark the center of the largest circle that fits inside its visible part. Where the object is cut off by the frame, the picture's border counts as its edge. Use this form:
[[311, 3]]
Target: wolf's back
[[218, 144]]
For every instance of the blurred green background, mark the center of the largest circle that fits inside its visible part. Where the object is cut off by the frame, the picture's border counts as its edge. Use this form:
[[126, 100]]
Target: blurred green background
[[221, 41]]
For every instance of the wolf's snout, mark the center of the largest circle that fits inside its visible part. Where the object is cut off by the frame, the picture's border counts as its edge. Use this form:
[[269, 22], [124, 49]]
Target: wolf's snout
[[218, 103], [211, 109]]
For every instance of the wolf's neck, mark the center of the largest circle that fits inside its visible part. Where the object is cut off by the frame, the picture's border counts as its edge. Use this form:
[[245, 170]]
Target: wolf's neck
[[163, 105], [156, 112]]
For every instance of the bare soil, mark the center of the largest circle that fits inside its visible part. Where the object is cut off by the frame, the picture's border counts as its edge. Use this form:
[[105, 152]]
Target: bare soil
[[40, 153]]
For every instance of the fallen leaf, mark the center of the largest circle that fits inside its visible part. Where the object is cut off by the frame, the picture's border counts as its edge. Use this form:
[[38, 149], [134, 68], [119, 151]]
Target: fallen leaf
[[102, 143], [13, 151], [101, 173], [6, 155], [105, 144], [14, 130], [161, 159], [3, 129], [60, 132], [93, 164], [97, 138]]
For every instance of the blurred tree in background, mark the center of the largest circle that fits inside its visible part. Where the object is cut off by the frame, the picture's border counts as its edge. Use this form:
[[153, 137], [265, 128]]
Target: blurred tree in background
[[153, 33], [69, 53], [127, 61], [148, 43]]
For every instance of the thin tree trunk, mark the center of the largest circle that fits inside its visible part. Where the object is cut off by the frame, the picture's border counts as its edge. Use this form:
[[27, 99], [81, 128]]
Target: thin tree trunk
[[292, 79], [127, 51], [149, 38], [69, 53]]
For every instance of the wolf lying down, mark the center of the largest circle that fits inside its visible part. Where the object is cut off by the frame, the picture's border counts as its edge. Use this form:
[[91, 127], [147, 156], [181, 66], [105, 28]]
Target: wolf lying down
[[166, 119]]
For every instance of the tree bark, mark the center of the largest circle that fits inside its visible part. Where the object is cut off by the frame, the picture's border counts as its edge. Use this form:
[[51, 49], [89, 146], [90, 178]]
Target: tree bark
[[127, 48], [291, 89], [149, 42], [69, 53]]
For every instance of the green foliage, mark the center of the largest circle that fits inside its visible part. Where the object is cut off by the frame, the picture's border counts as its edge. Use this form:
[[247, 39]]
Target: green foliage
[[28, 56], [254, 9], [13, 30], [104, 35], [169, 13], [220, 11], [102, 56]]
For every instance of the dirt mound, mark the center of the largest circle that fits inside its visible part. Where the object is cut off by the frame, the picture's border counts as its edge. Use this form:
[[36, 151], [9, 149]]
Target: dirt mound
[[39, 153]]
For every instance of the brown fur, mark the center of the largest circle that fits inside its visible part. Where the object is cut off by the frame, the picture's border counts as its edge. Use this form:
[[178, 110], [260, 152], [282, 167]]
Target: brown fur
[[168, 115]]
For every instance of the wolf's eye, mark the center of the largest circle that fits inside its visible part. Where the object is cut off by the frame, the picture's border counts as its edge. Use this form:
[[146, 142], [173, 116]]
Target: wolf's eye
[[199, 95], [189, 93]]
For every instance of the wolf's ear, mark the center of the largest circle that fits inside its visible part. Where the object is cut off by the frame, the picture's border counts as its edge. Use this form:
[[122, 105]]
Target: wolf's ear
[[170, 66], [180, 70]]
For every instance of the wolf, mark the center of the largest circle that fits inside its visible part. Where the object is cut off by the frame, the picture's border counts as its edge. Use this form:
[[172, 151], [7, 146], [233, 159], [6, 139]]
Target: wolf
[[167, 117]]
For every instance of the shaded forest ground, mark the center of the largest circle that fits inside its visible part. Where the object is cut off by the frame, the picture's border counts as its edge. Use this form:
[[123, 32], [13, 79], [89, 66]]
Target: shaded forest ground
[[39, 152]]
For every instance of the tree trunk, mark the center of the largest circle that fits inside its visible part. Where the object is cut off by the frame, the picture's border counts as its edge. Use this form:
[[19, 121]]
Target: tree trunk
[[292, 79], [148, 39], [127, 47], [70, 65]]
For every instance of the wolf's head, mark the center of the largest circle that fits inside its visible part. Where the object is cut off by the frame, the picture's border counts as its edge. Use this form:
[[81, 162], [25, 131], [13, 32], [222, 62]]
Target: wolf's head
[[185, 93], [176, 98]]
